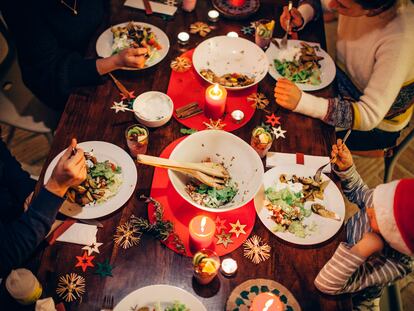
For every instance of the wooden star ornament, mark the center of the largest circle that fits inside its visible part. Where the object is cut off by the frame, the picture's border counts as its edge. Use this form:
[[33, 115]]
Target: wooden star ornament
[[278, 132], [220, 224], [224, 239], [120, 107], [181, 64], [93, 248], [272, 119], [214, 125], [104, 269], [84, 261], [131, 95], [237, 228]]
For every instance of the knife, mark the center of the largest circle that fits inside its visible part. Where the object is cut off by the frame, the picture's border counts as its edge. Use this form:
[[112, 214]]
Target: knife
[[91, 222], [147, 5]]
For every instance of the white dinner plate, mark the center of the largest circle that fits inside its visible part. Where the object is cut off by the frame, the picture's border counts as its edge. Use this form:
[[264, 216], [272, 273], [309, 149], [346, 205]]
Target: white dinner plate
[[328, 69], [102, 151], [333, 201], [164, 294], [105, 40], [224, 55]]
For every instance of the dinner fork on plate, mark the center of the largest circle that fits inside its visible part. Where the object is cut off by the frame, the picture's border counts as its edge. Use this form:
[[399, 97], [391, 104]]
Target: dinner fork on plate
[[318, 173], [108, 303], [283, 43]]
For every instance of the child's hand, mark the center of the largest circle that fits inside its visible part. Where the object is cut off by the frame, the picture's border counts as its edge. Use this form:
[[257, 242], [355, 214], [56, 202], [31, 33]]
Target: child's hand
[[370, 243], [341, 156], [287, 94]]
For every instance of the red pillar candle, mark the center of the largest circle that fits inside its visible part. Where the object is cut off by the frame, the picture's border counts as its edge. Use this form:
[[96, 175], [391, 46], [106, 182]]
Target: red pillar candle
[[202, 230], [266, 302], [216, 97], [237, 2]]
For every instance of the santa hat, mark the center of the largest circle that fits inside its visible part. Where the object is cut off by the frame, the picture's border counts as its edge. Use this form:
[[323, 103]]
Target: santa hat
[[394, 211]]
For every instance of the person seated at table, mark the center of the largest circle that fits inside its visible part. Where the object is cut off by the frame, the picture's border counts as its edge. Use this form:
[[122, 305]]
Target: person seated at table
[[25, 221], [51, 38], [380, 237], [375, 49]]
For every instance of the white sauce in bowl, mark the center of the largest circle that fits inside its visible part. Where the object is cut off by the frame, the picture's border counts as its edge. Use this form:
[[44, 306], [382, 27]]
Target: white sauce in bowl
[[153, 107]]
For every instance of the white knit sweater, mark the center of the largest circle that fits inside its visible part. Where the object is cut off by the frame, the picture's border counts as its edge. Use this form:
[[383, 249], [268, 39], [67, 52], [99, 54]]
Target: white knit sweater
[[378, 55]]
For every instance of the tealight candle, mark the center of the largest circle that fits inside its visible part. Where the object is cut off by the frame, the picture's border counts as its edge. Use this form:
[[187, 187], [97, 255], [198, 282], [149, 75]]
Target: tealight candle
[[266, 302], [228, 267], [216, 97], [213, 16], [237, 116], [183, 38], [201, 230], [232, 34]]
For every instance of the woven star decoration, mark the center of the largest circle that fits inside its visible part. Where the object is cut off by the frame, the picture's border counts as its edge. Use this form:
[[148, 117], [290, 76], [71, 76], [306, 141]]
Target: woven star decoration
[[93, 248], [130, 95], [278, 132], [127, 235], [258, 100], [119, 106], [214, 125], [84, 261], [237, 228], [201, 28], [247, 30], [71, 287], [104, 269], [181, 64], [220, 224], [272, 119], [256, 250], [171, 2], [224, 238]]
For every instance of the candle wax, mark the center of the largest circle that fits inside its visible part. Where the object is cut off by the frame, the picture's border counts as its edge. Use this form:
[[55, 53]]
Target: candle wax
[[266, 302], [215, 105], [201, 230]]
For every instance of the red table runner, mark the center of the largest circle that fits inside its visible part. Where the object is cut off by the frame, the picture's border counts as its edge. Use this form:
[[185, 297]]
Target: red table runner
[[187, 87], [180, 212]]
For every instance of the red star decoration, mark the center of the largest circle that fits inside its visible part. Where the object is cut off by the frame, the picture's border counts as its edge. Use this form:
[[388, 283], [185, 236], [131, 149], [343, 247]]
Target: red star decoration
[[85, 261], [220, 224], [130, 95], [272, 119]]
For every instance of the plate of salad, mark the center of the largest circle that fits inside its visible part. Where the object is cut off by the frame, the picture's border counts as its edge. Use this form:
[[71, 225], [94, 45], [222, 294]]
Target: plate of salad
[[134, 34], [286, 205], [304, 63], [110, 182], [160, 298]]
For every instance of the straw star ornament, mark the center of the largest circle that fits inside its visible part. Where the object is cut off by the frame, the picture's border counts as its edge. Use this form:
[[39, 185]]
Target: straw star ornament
[[258, 101], [71, 287], [214, 125], [181, 64], [256, 250], [127, 235], [201, 28]]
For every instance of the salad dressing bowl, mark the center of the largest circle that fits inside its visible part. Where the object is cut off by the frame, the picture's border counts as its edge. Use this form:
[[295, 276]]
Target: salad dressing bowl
[[239, 158]]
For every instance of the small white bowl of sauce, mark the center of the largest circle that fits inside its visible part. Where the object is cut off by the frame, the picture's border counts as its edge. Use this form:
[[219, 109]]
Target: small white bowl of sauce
[[153, 109]]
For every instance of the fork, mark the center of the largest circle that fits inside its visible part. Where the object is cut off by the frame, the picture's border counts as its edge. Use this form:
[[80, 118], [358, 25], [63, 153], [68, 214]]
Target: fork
[[318, 173], [283, 43], [108, 303]]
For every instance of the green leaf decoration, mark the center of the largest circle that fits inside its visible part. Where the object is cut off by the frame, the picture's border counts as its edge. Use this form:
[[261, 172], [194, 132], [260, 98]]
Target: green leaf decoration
[[239, 302], [276, 292], [283, 298], [255, 289], [264, 289], [245, 294]]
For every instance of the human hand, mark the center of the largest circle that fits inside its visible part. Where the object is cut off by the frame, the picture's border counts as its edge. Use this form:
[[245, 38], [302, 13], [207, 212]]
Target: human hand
[[296, 19], [341, 156], [370, 243], [27, 201], [69, 171], [131, 57], [287, 94]]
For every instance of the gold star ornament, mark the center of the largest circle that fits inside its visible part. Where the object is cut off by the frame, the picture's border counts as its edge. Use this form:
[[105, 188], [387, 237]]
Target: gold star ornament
[[237, 228], [224, 239]]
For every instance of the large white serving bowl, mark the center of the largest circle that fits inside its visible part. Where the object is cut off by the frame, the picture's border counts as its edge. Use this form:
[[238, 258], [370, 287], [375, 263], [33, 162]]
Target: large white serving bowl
[[224, 54], [241, 160]]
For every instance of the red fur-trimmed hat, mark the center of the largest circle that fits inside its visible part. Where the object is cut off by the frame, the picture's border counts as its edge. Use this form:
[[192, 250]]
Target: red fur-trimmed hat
[[394, 211]]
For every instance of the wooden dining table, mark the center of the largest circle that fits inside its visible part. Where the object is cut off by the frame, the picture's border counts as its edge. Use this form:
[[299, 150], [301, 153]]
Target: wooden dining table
[[88, 116]]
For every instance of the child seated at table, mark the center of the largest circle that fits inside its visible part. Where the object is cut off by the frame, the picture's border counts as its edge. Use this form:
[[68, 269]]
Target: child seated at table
[[380, 237]]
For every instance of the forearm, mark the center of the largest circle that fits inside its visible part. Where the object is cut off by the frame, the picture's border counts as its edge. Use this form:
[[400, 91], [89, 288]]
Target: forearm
[[21, 237], [354, 187], [108, 64]]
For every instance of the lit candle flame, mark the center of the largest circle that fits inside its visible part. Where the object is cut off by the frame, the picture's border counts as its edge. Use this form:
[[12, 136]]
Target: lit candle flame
[[216, 91], [203, 224], [268, 304]]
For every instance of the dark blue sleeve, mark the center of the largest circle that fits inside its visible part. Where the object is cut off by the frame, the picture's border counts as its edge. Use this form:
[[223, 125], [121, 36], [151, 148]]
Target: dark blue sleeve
[[13, 177], [19, 239]]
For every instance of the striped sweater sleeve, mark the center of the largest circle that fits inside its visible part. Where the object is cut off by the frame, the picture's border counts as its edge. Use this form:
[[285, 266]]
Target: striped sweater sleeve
[[347, 272], [354, 187]]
